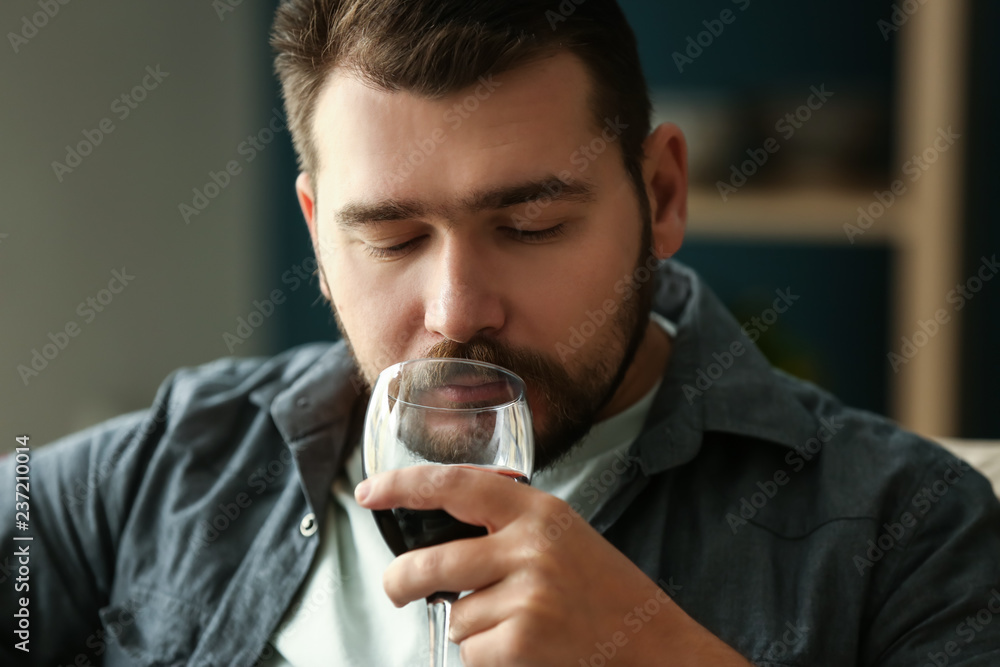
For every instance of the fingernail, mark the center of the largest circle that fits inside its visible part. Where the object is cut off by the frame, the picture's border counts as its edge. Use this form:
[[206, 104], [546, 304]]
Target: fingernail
[[362, 491]]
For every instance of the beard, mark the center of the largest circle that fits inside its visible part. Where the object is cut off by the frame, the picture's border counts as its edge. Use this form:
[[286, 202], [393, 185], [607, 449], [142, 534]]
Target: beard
[[568, 397]]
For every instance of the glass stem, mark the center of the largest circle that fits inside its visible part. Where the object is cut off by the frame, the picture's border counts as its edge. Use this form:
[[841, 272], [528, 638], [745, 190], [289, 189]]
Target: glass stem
[[438, 617]]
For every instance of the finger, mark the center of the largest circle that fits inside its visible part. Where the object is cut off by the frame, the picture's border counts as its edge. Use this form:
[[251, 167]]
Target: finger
[[462, 565], [482, 610], [500, 646], [470, 495]]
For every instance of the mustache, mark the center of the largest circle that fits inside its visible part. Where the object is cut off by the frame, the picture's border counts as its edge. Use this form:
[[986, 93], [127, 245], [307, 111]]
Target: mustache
[[554, 386], [529, 364]]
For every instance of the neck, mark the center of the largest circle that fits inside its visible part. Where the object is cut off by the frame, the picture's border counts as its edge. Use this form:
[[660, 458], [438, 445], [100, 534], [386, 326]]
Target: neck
[[643, 373]]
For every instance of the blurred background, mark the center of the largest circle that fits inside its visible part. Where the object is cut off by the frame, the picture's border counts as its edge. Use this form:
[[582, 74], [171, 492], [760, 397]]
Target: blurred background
[[841, 150]]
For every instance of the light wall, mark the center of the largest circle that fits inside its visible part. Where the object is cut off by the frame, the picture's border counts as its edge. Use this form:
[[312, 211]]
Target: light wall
[[119, 208]]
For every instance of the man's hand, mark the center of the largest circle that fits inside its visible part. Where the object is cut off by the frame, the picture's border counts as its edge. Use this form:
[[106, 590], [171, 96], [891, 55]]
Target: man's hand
[[548, 588]]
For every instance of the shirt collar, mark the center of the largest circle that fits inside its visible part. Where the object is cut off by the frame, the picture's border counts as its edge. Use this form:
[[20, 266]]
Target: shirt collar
[[709, 388], [323, 392], [312, 406]]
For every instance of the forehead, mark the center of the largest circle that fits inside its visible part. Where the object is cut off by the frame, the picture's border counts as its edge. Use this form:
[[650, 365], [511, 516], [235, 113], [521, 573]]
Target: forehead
[[375, 143]]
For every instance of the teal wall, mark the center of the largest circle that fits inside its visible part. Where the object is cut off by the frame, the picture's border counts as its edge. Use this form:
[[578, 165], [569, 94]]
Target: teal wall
[[838, 336]]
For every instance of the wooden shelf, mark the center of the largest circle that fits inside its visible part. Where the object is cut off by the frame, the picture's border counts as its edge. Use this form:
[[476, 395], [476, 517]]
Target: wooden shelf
[[799, 214]]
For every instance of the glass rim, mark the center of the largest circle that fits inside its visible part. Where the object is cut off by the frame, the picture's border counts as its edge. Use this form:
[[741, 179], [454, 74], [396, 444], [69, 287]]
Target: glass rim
[[520, 386]]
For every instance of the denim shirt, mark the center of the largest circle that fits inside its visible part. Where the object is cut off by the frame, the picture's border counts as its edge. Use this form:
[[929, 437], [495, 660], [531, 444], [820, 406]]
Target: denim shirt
[[799, 531]]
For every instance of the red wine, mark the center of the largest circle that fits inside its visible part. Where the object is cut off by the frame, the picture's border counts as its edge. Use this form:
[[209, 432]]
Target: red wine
[[406, 529]]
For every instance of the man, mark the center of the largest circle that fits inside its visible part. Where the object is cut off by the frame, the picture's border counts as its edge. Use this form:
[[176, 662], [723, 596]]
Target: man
[[479, 180]]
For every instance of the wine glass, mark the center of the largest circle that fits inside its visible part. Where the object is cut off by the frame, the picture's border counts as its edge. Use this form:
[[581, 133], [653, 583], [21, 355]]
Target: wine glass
[[449, 412]]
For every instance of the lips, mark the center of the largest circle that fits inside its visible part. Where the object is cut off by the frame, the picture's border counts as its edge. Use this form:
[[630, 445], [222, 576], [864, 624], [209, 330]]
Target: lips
[[482, 394]]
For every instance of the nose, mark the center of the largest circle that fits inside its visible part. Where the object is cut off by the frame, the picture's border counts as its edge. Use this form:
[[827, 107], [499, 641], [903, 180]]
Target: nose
[[463, 295]]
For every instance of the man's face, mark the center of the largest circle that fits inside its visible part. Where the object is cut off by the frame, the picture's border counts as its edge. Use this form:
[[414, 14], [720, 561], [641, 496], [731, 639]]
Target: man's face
[[498, 223]]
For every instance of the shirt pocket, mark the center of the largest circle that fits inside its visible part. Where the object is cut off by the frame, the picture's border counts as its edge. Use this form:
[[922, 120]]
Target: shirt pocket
[[154, 629]]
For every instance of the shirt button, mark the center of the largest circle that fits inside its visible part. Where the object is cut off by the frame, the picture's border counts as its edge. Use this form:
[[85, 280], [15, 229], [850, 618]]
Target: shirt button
[[308, 525]]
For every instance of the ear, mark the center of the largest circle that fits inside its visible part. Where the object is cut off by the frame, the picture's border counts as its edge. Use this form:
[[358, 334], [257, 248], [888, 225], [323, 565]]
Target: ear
[[307, 202], [665, 173]]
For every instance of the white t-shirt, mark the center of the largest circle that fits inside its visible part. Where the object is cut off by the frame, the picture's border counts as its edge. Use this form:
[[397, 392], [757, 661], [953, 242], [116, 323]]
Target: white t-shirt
[[342, 604]]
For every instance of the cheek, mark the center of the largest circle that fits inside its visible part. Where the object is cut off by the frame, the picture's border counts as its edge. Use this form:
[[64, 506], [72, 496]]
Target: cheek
[[381, 317], [582, 292], [576, 315]]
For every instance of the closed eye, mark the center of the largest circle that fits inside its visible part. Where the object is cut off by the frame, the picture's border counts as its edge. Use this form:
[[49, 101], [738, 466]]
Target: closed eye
[[394, 251], [520, 235], [535, 236]]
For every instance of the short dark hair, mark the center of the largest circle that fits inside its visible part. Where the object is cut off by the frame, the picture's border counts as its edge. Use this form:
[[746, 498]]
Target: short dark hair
[[436, 47]]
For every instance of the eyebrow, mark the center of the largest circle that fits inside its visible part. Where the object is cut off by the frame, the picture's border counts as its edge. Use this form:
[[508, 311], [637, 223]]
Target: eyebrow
[[357, 215]]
